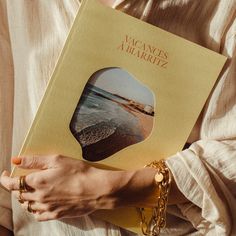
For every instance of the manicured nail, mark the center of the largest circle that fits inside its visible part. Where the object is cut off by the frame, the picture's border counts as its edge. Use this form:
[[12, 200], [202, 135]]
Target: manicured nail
[[16, 160]]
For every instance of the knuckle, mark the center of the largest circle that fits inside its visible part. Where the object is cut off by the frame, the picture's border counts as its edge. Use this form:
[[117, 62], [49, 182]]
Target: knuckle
[[29, 179], [47, 207], [84, 167], [36, 181], [29, 161], [56, 158], [40, 181], [40, 197], [82, 164]]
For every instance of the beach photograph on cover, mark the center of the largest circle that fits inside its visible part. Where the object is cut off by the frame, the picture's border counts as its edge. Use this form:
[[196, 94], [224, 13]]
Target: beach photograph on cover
[[114, 111]]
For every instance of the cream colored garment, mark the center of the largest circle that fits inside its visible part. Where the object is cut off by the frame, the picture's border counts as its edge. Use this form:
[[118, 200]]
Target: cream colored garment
[[205, 172], [6, 111]]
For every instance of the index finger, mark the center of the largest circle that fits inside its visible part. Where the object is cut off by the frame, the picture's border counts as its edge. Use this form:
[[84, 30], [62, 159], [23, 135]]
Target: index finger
[[8, 182]]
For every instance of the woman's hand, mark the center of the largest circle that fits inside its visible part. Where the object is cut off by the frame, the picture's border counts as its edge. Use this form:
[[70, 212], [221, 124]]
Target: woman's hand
[[64, 187]]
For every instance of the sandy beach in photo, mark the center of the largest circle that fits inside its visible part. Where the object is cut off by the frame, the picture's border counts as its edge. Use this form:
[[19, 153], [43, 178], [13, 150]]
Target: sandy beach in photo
[[146, 121], [107, 147], [123, 136], [115, 111], [104, 137]]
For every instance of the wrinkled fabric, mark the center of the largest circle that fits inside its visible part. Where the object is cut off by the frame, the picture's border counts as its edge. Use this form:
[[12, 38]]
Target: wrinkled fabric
[[32, 34], [6, 111]]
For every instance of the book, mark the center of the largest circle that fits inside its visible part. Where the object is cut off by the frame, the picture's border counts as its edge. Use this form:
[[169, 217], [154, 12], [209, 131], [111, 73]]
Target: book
[[123, 93]]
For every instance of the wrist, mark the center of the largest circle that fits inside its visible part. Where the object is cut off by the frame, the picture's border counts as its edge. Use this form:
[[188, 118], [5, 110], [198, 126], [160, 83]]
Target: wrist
[[132, 188]]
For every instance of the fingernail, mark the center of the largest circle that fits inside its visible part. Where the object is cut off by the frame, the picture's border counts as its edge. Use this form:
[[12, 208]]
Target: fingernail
[[16, 160]]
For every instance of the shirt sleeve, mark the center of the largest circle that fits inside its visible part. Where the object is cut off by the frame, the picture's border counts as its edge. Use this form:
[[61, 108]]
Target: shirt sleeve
[[205, 172], [6, 113]]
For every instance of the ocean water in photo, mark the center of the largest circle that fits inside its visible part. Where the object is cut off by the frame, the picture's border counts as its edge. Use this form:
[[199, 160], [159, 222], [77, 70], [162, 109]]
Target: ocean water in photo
[[103, 123]]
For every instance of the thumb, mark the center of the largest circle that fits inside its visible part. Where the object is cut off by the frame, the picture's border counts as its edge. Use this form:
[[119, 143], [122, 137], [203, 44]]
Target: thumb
[[32, 162]]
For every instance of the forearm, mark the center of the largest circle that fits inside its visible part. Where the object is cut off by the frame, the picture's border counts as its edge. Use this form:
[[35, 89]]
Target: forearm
[[137, 189], [84, 188], [5, 232]]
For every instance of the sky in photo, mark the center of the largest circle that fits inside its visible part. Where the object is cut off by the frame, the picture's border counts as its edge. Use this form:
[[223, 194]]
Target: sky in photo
[[118, 81]]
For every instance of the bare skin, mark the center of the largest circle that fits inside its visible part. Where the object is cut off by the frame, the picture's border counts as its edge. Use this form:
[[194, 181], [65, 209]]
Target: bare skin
[[65, 187]]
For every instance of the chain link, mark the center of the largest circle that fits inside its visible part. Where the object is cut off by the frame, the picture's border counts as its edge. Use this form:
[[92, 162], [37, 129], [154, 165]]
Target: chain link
[[158, 218]]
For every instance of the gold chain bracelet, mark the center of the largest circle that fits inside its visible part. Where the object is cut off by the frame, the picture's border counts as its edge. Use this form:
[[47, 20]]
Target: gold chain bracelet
[[158, 218]]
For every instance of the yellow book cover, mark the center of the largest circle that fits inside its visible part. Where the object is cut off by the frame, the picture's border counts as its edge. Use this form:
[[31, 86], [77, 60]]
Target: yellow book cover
[[123, 93]]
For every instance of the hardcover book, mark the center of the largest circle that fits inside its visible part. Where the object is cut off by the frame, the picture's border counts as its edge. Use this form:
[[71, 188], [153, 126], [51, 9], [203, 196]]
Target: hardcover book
[[123, 93]]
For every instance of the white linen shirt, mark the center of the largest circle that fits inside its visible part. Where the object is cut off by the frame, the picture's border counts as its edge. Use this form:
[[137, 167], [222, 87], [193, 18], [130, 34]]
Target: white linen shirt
[[32, 34]]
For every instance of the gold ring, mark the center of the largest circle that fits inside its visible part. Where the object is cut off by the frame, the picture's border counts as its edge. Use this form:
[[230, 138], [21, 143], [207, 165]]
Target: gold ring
[[20, 198], [29, 208], [23, 187]]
